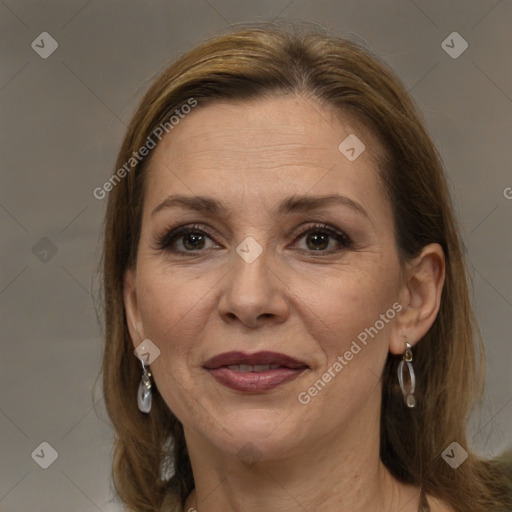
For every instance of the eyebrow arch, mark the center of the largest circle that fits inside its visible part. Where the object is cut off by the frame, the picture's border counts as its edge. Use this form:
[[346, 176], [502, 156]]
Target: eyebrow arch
[[290, 204]]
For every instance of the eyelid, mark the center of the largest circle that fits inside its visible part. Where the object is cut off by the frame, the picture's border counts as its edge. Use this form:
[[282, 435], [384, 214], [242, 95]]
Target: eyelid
[[320, 226], [172, 234]]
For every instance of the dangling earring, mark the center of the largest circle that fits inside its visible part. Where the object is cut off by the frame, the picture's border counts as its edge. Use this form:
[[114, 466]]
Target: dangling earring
[[409, 399], [144, 391]]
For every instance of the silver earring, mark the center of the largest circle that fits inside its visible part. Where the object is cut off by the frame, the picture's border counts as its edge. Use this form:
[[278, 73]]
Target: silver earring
[[144, 391], [409, 399]]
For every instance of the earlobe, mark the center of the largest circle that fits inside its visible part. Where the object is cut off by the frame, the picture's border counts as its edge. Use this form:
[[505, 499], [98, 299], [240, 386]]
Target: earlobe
[[131, 308], [421, 295]]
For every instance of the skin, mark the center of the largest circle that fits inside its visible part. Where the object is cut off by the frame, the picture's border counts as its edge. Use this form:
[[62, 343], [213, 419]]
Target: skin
[[321, 456]]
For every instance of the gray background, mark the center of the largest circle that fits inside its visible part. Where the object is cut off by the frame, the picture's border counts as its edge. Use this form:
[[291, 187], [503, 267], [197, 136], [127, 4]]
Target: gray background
[[62, 120]]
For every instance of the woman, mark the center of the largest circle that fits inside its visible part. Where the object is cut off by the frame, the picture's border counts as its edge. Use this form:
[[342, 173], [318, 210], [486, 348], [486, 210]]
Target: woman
[[288, 322]]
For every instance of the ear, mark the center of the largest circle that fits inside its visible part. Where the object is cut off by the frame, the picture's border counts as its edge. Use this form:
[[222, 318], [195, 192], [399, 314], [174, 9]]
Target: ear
[[131, 308], [420, 298]]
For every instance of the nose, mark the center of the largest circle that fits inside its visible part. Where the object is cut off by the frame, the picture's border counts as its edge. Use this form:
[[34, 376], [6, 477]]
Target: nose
[[254, 293]]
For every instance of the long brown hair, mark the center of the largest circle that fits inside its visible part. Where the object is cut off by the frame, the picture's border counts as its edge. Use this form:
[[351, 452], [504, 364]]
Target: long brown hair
[[151, 464]]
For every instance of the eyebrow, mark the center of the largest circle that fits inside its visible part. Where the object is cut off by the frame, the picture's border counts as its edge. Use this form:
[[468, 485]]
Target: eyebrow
[[290, 204]]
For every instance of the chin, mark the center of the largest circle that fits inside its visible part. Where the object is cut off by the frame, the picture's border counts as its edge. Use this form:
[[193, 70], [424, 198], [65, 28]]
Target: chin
[[257, 434]]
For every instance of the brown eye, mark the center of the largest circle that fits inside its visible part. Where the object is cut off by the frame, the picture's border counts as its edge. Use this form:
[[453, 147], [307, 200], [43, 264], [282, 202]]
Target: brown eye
[[317, 239], [193, 241], [184, 240]]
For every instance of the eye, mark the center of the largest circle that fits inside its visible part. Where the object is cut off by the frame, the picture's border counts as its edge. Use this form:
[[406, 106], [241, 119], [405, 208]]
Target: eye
[[185, 239], [189, 240], [317, 239]]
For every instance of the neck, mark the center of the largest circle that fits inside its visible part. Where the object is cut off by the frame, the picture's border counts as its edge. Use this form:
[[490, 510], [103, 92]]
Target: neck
[[333, 472]]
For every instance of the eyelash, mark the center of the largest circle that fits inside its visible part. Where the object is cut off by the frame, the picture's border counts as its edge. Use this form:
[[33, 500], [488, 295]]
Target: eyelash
[[171, 235]]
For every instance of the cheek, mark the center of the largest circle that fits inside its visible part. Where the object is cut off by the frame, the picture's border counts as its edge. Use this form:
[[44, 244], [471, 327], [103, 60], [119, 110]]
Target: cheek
[[348, 302], [175, 307], [172, 315], [351, 336], [168, 298]]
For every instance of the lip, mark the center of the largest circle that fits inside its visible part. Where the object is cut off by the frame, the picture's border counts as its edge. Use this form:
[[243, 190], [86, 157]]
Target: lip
[[254, 381], [231, 358]]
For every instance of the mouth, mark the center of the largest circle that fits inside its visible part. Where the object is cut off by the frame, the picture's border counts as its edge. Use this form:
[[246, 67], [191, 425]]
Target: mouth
[[255, 373]]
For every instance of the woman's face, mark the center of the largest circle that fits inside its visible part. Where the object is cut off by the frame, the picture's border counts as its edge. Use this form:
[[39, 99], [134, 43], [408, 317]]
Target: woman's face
[[248, 279]]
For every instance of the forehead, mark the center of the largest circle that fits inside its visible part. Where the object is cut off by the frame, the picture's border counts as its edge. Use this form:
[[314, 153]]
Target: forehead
[[262, 147], [284, 125]]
